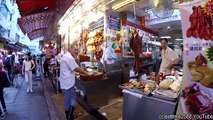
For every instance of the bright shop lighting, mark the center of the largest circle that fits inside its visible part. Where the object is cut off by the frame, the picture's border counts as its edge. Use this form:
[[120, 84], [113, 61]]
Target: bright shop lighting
[[63, 27], [157, 3], [77, 9], [179, 39], [46, 8], [88, 5], [167, 37], [69, 11], [110, 2], [122, 4]]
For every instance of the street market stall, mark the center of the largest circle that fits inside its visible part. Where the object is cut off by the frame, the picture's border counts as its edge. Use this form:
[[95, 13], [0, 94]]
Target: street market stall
[[147, 94], [122, 52], [91, 30]]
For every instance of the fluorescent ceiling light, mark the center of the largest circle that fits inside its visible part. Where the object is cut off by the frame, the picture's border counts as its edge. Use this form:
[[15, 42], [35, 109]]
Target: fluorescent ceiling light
[[168, 37], [122, 4], [179, 39], [110, 2]]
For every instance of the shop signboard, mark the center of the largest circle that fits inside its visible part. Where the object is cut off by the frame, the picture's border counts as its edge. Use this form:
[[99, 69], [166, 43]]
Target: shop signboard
[[114, 23], [153, 19], [197, 89], [114, 39], [114, 34]]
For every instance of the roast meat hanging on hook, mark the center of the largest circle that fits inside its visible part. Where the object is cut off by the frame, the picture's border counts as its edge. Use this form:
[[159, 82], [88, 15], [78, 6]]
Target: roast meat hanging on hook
[[135, 43]]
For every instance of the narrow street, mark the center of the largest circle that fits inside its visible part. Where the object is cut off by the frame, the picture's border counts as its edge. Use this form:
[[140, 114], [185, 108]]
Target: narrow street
[[26, 106]]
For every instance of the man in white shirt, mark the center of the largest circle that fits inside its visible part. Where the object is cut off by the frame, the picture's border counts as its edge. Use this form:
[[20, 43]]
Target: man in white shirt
[[169, 58], [68, 67], [16, 58]]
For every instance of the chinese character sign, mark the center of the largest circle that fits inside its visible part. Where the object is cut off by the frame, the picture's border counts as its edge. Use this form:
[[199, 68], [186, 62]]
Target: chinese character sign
[[197, 91]]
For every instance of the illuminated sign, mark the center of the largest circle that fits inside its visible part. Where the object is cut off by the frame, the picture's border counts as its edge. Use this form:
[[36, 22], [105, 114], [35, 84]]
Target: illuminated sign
[[152, 19]]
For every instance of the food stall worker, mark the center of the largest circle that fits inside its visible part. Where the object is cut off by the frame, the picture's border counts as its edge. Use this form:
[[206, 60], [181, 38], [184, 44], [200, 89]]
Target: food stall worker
[[169, 58], [68, 67]]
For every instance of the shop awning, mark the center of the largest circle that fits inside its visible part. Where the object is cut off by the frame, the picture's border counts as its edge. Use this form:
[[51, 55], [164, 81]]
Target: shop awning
[[37, 16], [22, 45], [31, 24], [16, 47], [11, 47], [29, 7]]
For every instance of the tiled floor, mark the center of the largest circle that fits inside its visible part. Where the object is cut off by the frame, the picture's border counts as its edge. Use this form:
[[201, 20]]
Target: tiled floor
[[113, 111], [27, 106], [79, 112]]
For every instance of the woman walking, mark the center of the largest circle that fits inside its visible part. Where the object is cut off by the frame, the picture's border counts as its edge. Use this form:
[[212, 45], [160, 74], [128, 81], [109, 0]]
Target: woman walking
[[28, 66], [3, 76]]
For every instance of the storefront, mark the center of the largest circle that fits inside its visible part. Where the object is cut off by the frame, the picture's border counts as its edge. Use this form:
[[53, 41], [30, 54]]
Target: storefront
[[145, 96], [123, 47], [96, 31]]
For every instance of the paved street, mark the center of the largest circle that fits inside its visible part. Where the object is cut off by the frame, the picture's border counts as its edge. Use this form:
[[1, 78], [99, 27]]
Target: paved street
[[26, 106]]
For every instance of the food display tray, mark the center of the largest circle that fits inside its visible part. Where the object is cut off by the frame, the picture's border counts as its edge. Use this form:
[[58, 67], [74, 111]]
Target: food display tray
[[155, 94], [138, 90]]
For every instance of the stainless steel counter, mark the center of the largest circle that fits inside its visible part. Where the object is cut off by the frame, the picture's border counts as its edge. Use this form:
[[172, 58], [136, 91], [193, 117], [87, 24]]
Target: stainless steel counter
[[99, 93], [146, 107]]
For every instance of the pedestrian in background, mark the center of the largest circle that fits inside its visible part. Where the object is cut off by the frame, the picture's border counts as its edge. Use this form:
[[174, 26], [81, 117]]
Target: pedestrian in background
[[3, 57], [8, 66], [3, 76], [34, 69], [16, 58], [15, 72], [46, 68], [42, 62], [28, 66]]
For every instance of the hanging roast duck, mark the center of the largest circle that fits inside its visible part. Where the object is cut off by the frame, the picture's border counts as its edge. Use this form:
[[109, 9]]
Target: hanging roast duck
[[84, 37], [83, 40], [135, 43]]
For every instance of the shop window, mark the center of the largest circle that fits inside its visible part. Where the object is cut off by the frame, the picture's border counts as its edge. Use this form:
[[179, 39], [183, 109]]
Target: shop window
[[4, 10]]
